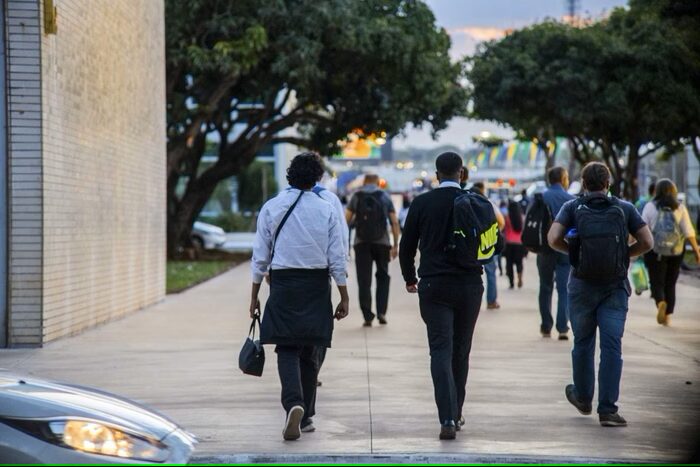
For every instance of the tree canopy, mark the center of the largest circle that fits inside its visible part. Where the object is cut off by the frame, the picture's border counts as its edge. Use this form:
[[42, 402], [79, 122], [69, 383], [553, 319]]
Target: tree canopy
[[618, 89], [254, 72]]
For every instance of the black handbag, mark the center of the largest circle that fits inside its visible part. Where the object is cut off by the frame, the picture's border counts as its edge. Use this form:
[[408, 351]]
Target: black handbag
[[251, 360]]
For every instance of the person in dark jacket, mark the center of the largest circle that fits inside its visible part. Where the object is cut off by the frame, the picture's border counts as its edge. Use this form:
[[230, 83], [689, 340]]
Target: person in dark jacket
[[449, 295], [299, 243]]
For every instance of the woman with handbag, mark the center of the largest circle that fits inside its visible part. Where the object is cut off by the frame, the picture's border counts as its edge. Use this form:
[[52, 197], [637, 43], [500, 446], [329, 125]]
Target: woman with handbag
[[299, 244]]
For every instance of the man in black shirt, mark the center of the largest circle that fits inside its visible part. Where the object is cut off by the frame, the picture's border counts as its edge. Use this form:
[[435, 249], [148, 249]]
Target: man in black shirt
[[449, 295]]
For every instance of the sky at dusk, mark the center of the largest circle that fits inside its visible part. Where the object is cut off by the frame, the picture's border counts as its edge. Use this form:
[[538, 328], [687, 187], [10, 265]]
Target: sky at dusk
[[472, 21]]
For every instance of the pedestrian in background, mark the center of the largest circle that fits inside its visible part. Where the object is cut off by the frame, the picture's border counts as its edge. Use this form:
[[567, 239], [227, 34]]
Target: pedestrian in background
[[553, 266], [334, 201], [490, 267], [524, 201], [371, 212], [503, 208], [643, 200], [671, 226], [405, 205], [514, 249]]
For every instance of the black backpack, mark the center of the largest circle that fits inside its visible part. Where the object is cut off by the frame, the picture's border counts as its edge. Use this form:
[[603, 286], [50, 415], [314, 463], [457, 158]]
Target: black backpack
[[538, 220], [598, 251], [474, 237], [370, 216]]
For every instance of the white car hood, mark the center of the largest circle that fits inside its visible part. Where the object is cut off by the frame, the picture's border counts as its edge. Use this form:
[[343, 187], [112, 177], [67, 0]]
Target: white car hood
[[32, 398], [208, 228]]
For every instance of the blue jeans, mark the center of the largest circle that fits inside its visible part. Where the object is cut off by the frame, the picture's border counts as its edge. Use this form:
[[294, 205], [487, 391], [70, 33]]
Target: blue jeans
[[490, 270], [603, 307], [553, 266]]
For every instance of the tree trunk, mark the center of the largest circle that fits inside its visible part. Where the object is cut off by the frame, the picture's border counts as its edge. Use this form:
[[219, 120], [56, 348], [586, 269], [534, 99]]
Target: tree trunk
[[631, 174], [616, 172], [184, 213]]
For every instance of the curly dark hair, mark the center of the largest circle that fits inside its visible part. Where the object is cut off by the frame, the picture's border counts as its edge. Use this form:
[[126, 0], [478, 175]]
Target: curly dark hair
[[305, 170]]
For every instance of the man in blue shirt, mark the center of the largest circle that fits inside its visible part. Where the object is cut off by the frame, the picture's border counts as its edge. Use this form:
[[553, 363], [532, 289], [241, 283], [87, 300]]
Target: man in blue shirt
[[551, 264]]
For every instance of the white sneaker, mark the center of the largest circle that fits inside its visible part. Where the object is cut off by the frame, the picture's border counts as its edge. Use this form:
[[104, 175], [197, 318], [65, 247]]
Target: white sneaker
[[292, 429], [309, 427]]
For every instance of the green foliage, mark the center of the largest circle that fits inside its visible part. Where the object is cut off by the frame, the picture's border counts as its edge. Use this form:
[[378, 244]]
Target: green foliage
[[181, 275], [538, 79], [613, 88], [246, 70], [251, 193], [222, 193], [231, 222]]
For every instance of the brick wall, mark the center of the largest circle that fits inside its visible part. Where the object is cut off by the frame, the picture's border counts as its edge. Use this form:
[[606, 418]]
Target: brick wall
[[97, 209], [23, 84], [103, 86]]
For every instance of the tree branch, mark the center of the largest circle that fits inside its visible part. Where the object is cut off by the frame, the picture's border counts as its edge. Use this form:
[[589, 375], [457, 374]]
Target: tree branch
[[280, 107], [301, 142], [651, 151]]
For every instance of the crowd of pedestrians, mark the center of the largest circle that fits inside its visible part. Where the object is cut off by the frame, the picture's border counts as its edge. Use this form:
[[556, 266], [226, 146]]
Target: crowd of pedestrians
[[583, 245]]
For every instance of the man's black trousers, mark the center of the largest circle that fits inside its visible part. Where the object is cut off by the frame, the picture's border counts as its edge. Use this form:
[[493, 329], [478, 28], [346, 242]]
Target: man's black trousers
[[449, 306]]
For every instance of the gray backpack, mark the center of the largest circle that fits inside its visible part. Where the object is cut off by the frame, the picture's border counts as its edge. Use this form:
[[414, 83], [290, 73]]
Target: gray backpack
[[668, 238]]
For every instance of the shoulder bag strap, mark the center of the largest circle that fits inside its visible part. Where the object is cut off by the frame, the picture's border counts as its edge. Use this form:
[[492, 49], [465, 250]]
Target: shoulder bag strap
[[281, 224]]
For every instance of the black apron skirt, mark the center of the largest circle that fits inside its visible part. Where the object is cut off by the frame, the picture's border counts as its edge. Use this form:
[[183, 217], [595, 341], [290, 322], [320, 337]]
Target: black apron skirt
[[299, 310]]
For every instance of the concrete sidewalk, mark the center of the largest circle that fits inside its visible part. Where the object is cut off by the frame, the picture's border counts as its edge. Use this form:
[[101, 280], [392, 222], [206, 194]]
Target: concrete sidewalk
[[180, 357]]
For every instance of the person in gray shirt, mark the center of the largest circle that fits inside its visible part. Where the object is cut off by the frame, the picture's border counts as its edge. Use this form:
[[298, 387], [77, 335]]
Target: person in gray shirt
[[370, 210]]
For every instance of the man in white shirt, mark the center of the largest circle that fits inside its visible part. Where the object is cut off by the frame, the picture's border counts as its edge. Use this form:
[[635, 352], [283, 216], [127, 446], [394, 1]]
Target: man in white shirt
[[299, 243]]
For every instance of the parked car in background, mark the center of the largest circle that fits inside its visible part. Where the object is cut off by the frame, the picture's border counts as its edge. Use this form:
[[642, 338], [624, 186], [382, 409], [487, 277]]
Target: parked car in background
[[45, 422], [207, 236]]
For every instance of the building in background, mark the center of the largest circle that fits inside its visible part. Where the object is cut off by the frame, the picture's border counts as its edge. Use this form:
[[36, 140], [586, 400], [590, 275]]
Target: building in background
[[83, 174]]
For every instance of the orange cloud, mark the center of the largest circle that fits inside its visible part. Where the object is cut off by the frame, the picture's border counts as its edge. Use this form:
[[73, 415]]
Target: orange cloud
[[480, 33]]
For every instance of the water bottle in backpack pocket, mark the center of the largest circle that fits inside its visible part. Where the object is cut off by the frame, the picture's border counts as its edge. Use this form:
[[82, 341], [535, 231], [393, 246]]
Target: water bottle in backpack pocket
[[668, 237], [574, 242], [603, 253]]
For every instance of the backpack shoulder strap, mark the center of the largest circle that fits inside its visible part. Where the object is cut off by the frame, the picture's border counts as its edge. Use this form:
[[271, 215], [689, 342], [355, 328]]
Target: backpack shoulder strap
[[317, 189]]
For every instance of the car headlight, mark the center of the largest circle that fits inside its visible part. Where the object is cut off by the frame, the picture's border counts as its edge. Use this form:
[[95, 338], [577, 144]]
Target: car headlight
[[95, 438]]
